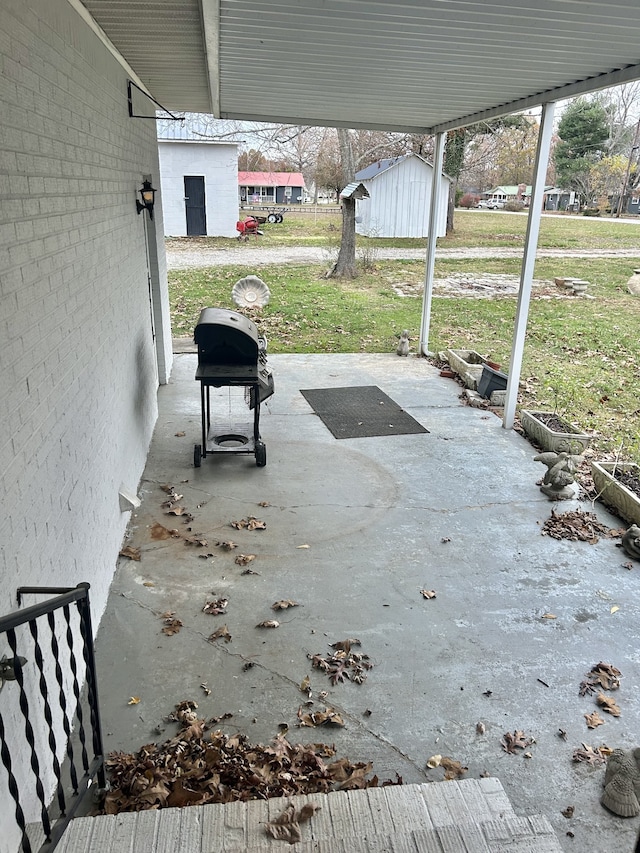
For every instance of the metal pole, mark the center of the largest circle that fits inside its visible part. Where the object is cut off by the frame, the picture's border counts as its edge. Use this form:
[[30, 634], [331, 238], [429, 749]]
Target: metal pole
[[432, 236], [528, 263]]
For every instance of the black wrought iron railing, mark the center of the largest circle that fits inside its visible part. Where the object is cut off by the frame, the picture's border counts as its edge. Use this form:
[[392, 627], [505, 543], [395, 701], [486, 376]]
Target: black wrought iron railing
[[50, 736]]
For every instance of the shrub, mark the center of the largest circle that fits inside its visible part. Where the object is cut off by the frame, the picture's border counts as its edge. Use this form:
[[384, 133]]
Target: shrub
[[468, 200], [514, 206], [591, 211]]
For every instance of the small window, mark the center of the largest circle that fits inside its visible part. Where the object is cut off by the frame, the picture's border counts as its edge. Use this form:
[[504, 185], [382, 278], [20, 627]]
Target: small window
[[634, 200]]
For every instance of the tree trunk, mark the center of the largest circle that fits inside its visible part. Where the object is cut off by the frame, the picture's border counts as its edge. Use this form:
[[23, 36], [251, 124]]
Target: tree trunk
[[451, 204], [345, 266]]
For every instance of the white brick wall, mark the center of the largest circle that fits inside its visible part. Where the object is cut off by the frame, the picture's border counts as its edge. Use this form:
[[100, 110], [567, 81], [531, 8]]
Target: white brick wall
[[77, 362], [218, 164]]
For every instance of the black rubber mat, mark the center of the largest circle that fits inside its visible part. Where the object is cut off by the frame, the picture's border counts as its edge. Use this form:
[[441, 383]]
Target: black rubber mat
[[360, 411]]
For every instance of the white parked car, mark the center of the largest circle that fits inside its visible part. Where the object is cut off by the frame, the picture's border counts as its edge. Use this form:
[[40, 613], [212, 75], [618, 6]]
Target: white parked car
[[491, 204]]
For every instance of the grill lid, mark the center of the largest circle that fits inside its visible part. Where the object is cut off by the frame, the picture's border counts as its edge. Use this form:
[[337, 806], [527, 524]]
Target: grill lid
[[225, 337]]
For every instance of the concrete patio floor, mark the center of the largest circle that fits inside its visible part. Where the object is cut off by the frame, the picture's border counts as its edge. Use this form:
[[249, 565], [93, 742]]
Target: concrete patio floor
[[456, 510]]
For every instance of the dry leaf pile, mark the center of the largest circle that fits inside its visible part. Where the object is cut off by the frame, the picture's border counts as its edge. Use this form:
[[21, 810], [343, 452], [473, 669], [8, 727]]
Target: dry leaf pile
[[576, 526], [191, 769], [344, 664], [601, 676]]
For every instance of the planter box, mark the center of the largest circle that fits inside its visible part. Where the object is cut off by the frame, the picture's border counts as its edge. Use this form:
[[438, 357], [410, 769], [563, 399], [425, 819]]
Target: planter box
[[491, 380], [468, 364], [625, 502], [569, 441]]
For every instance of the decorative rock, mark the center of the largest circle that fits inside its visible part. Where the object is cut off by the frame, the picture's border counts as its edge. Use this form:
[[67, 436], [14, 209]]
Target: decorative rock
[[403, 346], [621, 782], [631, 541], [498, 398], [633, 285], [559, 479]]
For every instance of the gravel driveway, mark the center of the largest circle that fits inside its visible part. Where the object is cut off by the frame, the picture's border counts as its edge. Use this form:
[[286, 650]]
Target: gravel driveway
[[180, 258]]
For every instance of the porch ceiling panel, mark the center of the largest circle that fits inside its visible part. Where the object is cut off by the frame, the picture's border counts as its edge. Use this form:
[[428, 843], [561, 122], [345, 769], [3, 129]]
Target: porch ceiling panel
[[411, 65]]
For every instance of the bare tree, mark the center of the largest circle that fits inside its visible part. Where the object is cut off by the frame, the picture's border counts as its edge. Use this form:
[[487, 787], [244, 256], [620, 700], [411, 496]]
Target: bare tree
[[345, 266]]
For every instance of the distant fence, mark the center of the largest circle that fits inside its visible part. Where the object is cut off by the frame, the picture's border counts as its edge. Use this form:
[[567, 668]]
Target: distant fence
[[305, 209]]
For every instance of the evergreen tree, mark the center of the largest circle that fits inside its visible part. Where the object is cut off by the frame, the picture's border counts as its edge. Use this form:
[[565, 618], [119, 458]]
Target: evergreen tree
[[584, 136]]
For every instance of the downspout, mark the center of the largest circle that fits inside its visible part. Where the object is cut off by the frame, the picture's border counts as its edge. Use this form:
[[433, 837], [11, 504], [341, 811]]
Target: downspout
[[528, 263], [432, 236]]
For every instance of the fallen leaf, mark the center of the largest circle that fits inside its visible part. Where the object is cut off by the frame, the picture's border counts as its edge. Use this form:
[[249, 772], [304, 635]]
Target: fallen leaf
[[176, 510], [518, 740], [305, 685], [603, 675], [228, 545], [268, 623], [179, 434], [608, 704], [215, 608], [264, 503], [589, 755], [172, 626], [428, 593], [302, 546], [250, 572], [135, 700], [328, 717], [206, 688], [131, 552], [445, 539], [549, 616], [250, 523], [568, 812], [285, 827], [220, 634], [593, 720], [615, 608], [166, 487], [244, 559], [434, 761], [197, 540], [453, 769], [562, 734], [527, 755], [284, 604], [480, 728], [158, 531]]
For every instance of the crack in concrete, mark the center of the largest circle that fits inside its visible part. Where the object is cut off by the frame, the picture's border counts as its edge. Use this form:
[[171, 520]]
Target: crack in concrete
[[287, 680]]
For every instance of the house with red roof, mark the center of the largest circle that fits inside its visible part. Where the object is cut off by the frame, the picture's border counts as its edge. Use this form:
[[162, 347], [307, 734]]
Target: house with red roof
[[270, 188]]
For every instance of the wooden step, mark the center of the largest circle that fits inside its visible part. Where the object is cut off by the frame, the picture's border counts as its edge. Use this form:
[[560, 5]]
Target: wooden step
[[467, 816]]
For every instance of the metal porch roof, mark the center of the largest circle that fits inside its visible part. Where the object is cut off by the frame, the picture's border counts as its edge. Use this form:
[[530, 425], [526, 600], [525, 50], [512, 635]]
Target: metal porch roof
[[413, 65]]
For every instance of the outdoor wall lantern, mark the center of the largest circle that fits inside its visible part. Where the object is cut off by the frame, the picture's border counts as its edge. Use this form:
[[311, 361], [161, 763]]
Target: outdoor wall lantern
[[148, 195]]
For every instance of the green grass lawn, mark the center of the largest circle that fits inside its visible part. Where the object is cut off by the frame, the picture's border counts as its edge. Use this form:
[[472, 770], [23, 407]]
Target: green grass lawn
[[476, 228], [582, 355]]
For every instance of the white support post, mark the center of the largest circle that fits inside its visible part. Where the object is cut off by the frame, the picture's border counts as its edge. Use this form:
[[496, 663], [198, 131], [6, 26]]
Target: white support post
[[528, 263], [432, 236]]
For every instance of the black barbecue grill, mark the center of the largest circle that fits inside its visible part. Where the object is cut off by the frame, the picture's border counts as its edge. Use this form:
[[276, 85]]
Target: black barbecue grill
[[231, 354]]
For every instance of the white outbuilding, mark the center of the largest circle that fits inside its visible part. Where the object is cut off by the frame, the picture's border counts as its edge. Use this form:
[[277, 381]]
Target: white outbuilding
[[199, 182], [399, 198]]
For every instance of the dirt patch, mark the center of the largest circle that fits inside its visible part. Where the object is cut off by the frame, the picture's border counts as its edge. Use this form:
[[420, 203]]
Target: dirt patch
[[631, 481], [479, 285]]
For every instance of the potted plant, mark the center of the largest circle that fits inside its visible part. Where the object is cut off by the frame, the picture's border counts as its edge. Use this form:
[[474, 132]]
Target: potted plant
[[554, 433], [618, 485], [467, 364]]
